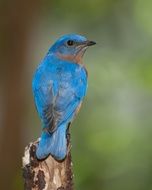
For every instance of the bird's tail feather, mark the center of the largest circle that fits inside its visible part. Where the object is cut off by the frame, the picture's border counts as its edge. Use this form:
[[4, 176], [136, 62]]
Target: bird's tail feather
[[54, 144]]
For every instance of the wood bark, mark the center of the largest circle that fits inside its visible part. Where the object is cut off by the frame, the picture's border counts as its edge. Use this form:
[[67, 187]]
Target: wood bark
[[47, 174]]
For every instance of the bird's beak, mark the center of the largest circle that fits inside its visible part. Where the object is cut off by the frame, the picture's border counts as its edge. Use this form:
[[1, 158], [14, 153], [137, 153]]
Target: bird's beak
[[87, 43], [90, 43], [84, 45]]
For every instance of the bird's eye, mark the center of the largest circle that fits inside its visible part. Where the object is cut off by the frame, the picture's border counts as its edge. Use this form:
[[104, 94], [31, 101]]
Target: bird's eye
[[70, 42]]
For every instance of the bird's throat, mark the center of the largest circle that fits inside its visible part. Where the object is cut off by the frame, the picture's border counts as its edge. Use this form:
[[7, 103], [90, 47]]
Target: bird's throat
[[72, 58]]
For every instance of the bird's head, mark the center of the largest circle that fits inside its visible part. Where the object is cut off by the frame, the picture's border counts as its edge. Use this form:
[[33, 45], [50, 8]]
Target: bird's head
[[71, 47]]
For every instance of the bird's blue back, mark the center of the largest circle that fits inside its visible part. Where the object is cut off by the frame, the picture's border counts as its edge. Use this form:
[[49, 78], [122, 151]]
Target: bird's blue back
[[61, 83]]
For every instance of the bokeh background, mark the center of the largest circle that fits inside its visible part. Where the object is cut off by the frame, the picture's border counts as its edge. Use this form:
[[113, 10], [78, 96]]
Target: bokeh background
[[112, 135]]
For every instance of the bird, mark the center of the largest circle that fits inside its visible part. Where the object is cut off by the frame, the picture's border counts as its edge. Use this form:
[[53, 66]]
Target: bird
[[59, 86]]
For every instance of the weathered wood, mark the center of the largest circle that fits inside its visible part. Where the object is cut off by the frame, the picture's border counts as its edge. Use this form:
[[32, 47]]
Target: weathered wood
[[47, 174]]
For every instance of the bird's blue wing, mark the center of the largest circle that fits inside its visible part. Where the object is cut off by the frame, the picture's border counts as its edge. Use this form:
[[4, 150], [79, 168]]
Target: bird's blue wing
[[44, 100], [55, 110], [70, 97]]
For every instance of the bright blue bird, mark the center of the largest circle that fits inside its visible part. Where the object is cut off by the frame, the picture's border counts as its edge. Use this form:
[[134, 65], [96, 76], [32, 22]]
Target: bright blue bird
[[59, 86]]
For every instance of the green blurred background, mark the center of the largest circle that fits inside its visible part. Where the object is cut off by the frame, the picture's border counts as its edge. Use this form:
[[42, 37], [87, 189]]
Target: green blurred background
[[112, 134]]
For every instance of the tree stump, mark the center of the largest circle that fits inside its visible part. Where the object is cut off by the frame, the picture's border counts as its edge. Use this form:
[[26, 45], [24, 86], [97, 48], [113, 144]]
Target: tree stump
[[47, 174]]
